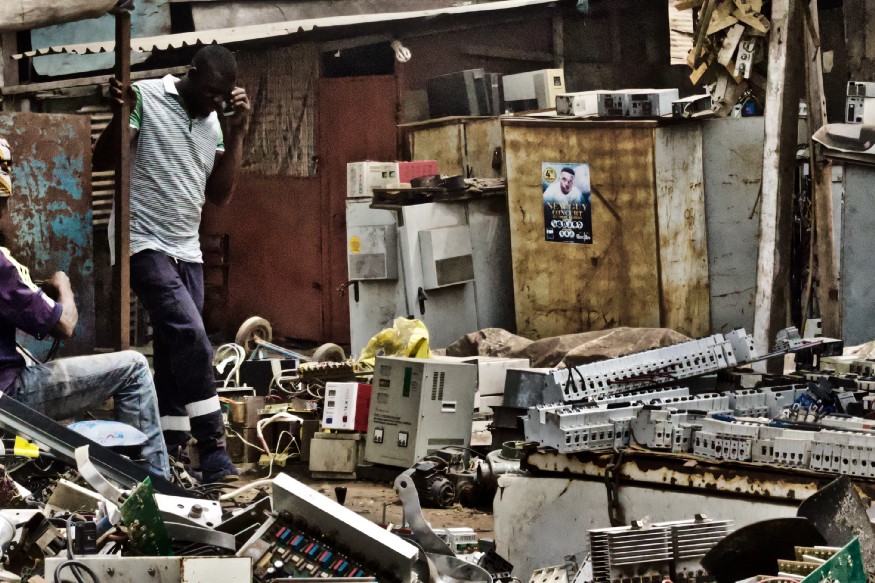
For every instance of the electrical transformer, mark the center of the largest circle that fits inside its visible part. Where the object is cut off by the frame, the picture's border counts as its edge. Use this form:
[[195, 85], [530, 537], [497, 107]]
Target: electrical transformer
[[418, 406]]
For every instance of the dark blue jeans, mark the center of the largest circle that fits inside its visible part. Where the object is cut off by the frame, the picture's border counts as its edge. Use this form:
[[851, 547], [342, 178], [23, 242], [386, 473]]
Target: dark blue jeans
[[172, 291]]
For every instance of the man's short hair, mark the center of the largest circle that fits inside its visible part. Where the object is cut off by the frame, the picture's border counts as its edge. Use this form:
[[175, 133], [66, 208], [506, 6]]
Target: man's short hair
[[217, 59], [569, 170]]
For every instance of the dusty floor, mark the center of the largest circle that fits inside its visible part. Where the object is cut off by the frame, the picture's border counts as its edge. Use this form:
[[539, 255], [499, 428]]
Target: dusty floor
[[369, 499]]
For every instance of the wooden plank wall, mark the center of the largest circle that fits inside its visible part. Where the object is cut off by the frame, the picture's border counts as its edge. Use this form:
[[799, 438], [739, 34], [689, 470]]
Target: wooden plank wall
[[562, 288], [282, 85], [683, 240]]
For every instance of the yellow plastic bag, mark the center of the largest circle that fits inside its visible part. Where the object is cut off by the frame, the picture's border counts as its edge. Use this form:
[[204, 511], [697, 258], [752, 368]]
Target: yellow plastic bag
[[405, 338]]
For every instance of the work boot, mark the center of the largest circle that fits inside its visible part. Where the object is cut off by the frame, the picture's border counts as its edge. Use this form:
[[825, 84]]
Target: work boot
[[216, 465]]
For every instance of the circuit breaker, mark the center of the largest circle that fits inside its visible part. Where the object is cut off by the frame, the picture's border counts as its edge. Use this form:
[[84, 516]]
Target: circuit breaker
[[418, 406]]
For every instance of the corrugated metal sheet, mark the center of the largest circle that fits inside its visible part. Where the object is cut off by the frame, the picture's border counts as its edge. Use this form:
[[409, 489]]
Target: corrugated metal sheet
[[278, 29]]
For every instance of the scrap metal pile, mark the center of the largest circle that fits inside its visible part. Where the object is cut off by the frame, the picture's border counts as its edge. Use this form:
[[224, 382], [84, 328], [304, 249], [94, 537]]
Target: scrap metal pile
[[812, 420]]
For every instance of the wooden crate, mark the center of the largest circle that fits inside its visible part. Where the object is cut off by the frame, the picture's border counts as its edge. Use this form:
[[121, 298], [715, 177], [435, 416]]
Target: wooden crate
[[648, 263]]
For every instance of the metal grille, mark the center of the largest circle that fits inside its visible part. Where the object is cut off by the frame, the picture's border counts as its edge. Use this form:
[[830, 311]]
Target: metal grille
[[654, 550], [437, 386]]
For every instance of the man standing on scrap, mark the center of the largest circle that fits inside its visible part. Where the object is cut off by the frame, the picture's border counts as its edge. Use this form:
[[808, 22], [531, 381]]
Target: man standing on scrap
[[181, 159]]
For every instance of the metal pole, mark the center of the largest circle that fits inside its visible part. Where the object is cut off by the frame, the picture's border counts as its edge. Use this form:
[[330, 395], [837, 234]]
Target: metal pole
[[122, 270]]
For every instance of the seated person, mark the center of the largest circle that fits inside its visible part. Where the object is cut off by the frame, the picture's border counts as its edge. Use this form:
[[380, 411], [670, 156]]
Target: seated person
[[64, 388]]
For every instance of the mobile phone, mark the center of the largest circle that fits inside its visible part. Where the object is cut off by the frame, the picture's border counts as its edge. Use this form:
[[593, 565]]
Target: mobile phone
[[228, 107]]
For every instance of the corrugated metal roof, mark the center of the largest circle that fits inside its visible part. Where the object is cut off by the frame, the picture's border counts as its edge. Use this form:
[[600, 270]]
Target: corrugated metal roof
[[272, 30]]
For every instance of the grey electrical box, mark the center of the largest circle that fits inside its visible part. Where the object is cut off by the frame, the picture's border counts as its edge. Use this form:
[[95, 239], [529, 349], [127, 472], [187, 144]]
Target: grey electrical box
[[418, 406]]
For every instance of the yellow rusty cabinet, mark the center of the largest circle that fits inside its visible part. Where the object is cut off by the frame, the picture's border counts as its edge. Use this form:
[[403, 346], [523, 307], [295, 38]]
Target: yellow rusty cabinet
[[467, 146], [647, 265]]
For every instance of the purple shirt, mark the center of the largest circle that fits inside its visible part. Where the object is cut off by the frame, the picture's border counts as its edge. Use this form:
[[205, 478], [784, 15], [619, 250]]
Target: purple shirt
[[23, 306]]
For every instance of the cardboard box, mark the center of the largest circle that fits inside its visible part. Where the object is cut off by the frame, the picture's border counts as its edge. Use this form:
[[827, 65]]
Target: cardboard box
[[363, 177], [407, 171]]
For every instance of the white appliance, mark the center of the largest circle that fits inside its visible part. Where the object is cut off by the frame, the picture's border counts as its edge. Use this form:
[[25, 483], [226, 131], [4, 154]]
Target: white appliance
[[542, 86], [418, 406], [346, 406], [491, 377], [363, 177], [860, 104], [636, 102], [449, 312], [453, 268], [583, 104], [376, 292]]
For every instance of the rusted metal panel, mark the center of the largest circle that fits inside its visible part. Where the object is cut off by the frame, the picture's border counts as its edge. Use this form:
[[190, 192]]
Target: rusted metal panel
[[357, 121], [443, 142], [461, 145], [692, 472], [482, 138], [275, 250], [562, 288], [47, 225], [683, 241]]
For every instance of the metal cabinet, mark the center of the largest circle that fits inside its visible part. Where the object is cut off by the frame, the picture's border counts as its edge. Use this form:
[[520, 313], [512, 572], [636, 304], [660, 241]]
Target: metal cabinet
[[467, 146], [646, 264]]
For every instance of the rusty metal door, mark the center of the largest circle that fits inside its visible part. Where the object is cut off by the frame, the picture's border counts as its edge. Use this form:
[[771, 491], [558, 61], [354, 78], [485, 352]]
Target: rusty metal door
[[47, 222], [357, 121]]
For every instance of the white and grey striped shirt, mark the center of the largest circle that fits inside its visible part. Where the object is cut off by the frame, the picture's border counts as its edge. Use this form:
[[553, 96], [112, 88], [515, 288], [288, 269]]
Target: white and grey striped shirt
[[173, 157]]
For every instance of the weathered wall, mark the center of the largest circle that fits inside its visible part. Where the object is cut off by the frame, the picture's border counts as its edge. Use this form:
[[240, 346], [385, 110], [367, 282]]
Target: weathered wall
[[275, 253], [47, 222]]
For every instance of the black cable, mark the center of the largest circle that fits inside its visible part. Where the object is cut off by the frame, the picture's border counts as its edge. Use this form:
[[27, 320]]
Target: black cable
[[74, 566]]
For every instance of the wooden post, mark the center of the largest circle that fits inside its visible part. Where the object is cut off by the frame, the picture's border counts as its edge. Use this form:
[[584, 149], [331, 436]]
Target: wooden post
[[783, 90], [821, 188], [8, 66], [559, 39], [122, 271]]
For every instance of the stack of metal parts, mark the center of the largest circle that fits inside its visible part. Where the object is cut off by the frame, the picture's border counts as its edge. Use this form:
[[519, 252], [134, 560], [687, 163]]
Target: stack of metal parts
[[655, 552], [659, 366]]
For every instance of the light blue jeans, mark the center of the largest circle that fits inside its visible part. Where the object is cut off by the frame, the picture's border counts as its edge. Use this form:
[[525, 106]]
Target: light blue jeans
[[64, 388]]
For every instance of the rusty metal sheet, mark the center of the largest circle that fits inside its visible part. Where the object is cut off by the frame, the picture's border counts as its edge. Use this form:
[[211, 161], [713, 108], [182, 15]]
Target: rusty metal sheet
[[562, 288], [683, 241], [691, 472], [47, 224], [482, 137], [443, 143]]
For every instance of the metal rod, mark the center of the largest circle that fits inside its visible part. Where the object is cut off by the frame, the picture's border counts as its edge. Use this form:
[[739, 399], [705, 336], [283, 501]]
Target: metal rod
[[122, 269]]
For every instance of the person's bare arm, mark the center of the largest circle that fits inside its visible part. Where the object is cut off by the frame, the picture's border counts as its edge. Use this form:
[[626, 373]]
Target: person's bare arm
[[59, 289], [223, 179], [103, 156]]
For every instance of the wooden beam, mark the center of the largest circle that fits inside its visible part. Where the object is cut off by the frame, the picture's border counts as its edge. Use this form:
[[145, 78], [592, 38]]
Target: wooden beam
[[8, 67], [510, 54], [821, 186], [85, 81], [122, 269], [783, 90]]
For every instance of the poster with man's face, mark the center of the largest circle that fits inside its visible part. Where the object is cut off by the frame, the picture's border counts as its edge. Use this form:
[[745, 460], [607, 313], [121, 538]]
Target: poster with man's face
[[567, 211]]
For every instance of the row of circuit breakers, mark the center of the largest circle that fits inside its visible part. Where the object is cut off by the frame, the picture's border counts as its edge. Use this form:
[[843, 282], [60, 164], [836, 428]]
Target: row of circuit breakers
[[732, 426]]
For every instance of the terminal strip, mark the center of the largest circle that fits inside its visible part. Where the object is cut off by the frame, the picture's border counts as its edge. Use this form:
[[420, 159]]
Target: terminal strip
[[658, 366]]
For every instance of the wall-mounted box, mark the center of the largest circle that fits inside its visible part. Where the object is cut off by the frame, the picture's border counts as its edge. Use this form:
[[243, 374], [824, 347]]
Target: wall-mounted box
[[363, 177], [447, 256], [372, 252]]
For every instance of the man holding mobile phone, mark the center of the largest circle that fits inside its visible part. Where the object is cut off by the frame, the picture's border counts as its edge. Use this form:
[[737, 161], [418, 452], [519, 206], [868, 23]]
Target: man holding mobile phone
[[181, 159]]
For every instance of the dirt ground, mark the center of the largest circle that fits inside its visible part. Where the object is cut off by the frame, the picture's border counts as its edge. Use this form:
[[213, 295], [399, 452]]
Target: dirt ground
[[372, 499]]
